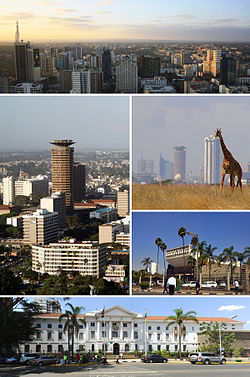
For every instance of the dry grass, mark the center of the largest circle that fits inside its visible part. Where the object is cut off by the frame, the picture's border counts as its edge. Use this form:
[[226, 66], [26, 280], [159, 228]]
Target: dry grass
[[157, 196]]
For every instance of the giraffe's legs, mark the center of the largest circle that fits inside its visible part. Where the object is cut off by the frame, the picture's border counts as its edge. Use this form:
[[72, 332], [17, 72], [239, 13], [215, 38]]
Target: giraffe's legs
[[232, 181], [239, 183], [222, 180]]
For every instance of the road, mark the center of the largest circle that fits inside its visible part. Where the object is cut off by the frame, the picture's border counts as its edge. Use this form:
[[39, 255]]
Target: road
[[133, 370]]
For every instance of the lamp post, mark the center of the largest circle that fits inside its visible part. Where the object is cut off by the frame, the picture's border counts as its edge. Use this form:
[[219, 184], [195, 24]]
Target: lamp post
[[234, 316], [197, 252]]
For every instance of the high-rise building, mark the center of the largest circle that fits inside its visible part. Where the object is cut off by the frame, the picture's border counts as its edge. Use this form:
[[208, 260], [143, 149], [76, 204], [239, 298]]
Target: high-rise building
[[212, 62], [79, 182], [127, 76], [48, 305], [145, 167], [212, 160], [29, 187], [165, 169], [87, 81], [8, 189], [62, 158], [78, 52], [56, 203], [41, 227], [227, 70], [106, 65], [148, 66], [123, 203], [179, 163]]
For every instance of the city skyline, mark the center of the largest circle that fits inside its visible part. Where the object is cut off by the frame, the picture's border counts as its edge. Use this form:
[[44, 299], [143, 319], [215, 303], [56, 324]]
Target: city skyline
[[216, 228], [167, 122], [103, 19], [41, 119]]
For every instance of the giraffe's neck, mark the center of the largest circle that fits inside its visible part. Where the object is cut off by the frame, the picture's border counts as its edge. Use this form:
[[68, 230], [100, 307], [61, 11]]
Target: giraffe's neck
[[226, 153]]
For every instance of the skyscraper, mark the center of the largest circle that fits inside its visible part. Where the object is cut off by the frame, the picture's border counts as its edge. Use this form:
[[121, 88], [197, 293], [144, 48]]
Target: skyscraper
[[179, 163], [127, 76], [165, 169], [79, 182], [148, 66], [227, 70], [62, 158], [106, 65], [212, 160]]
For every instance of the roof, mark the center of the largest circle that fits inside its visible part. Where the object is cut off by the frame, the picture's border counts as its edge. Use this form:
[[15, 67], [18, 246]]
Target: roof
[[200, 319], [55, 315], [101, 200]]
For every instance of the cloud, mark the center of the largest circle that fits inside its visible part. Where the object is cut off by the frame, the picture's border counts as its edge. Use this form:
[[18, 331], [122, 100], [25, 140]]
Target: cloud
[[42, 3], [103, 12], [103, 2], [62, 11], [225, 20], [13, 16], [231, 308], [187, 16]]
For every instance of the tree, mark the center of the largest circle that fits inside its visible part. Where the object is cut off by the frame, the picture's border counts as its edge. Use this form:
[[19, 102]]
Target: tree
[[9, 283], [72, 323], [212, 331], [182, 233], [146, 262], [191, 262], [16, 327], [163, 248], [209, 256], [179, 319], [231, 256], [54, 285], [158, 243], [241, 258], [21, 200]]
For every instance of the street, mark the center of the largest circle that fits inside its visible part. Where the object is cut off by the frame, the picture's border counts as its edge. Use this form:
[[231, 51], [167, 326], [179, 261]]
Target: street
[[176, 369]]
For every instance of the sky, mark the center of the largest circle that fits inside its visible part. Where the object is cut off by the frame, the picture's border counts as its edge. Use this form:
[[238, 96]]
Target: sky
[[220, 229], [224, 20], [204, 307], [93, 122], [166, 122]]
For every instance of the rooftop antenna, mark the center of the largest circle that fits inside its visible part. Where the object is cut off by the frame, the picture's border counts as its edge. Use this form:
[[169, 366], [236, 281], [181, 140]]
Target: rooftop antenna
[[17, 33]]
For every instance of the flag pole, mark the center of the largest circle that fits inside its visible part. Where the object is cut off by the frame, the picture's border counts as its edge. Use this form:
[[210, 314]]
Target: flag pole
[[145, 333]]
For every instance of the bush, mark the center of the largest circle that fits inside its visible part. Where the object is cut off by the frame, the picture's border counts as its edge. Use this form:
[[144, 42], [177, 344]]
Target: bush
[[144, 285]]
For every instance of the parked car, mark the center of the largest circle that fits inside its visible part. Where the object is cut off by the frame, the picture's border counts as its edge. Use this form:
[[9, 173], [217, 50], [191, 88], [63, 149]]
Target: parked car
[[154, 359], [25, 358], [222, 284], [206, 358], [44, 360], [12, 360], [2, 359], [191, 284], [209, 284]]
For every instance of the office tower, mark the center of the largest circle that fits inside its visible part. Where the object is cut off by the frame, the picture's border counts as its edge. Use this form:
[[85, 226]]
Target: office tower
[[79, 182], [148, 66], [212, 62], [87, 81], [165, 169], [78, 52], [64, 60], [127, 76], [48, 65], [94, 62], [145, 167], [106, 65], [28, 187], [65, 81], [41, 227], [8, 188], [212, 160], [123, 203], [227, 70], [179, 163], [4, 84], [48, 305], [62, 158], [56, 203]]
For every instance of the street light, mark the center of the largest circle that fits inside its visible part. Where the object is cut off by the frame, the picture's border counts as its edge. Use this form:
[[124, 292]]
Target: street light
[[197, 252], [234, 316]]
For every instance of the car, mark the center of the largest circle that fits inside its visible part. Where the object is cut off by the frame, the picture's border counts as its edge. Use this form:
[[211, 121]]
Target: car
[[205, 358], [222, 284], [12, 360], [191, 284], [2, 359], [44, 360], [154, 359], [209, 284], [25, 358]]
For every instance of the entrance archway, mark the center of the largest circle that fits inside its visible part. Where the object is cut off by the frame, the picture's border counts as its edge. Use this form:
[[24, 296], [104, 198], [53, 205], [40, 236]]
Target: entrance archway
[[116, 349]]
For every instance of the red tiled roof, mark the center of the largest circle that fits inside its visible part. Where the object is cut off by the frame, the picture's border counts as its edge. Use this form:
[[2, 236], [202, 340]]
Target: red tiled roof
[[101, 200], [200, 319], [55, 315]]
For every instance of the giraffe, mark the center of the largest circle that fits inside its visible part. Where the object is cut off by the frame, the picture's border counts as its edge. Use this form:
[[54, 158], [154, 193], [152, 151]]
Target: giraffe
[[230, 165]]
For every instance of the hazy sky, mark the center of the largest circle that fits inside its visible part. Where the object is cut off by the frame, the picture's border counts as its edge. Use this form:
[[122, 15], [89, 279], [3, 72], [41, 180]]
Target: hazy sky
[[226, 20], [220, 229], [30, 122], [166, 122], [204, 307]]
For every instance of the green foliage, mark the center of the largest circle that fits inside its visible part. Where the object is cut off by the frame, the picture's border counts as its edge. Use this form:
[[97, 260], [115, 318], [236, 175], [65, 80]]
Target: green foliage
[[9, 283], [211, 330], [144, 285], [237, 352], [54, 285], [21, 200]]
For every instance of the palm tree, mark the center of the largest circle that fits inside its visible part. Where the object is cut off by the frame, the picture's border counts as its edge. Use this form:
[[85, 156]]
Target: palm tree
[[179, 319], [182, 233], [72, 324], [158, 243], [163, 248], [230, 256], [209, 256], [191, 262], [241, 257], [146, 262]]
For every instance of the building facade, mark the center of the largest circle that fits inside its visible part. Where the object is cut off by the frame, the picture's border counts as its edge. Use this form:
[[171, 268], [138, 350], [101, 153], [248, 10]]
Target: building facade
[[120, 330], [179, 163], [127, 76], [212, 160], [56, 203], [41, 227]]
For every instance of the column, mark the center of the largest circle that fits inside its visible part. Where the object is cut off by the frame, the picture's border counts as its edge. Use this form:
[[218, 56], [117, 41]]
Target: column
[[109, 330], [132, 330], [121, 332], [87, 331], [98, 330]]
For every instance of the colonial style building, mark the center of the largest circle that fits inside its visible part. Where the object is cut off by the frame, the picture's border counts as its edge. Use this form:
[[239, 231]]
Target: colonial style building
[[119, 330]]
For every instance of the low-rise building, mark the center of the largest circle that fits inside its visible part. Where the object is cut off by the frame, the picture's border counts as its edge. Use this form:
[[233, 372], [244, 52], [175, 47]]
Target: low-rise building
[[104, 214]]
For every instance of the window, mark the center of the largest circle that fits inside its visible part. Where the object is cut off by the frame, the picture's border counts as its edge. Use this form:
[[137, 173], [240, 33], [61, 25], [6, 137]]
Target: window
[[26, 348], [125, 325], [125, 334], [158, 336], [136, 335], [60, 326], [49, 325], [81, 348], [92, 334], [105, 346], [167, 336], [158, 328], [49, 335], [192, 328], [126, 347], [92, 324], [149, 336], [135, 325], [49, 348], [81, 327], [60, 348], [167, 347], [38, 325], [60, 335], [38, 334], [150, 349], [114, 334], [184, 347], [104, 334], [38, 348], [136, 347], [92, 347], [158, 348], [80, 335], [149, 327], [176, 347], [103, 324]]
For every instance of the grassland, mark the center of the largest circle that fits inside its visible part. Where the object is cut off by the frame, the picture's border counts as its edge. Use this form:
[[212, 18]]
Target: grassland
[[189, 197]]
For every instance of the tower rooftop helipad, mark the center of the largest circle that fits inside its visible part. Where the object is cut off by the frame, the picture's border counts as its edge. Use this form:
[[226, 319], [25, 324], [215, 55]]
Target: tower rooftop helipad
[[62, 143]]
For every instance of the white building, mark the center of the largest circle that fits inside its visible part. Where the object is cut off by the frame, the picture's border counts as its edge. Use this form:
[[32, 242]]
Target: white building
[[154, 268], [104, 214], [108, 232], [37, 185], [48, 305], [115, 272], [28, 88], [56, 203], [40, 227], [120, 330], [123, 203], [212, 160], [8, 189], [86, 81], [86, 257], [127, 76]]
